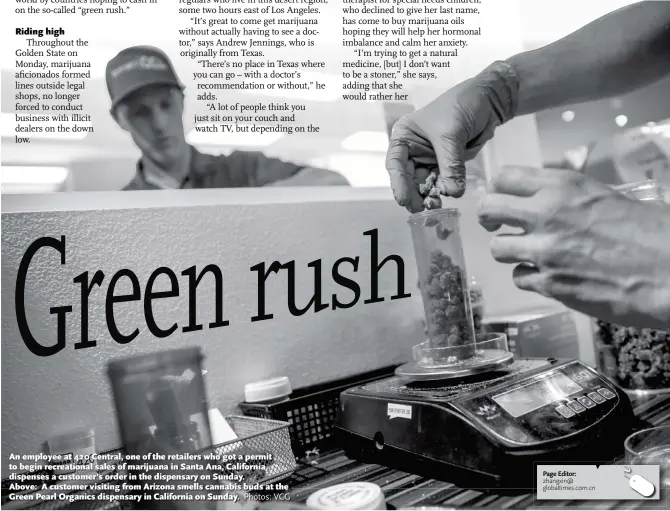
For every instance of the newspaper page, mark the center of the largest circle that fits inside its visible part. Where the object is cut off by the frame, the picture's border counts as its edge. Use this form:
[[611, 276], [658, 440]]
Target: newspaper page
[[335, 254], [253, 75]]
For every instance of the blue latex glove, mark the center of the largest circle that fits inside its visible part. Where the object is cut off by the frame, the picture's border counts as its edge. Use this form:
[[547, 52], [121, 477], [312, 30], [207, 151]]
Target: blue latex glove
[[440, 137]]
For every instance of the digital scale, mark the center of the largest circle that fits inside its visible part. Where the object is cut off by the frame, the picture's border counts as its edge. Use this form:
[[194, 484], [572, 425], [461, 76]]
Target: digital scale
[[486, 426]]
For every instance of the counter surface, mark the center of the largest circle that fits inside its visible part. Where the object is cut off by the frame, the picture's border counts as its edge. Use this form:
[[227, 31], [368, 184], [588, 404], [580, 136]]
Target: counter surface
[[403, 490]]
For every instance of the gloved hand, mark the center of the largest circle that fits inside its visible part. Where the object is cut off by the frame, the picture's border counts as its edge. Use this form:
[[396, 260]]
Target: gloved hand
[[440, 137]]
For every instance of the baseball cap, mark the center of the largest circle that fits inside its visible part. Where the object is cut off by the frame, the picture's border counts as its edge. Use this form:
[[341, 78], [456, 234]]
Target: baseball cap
[[136, 67]]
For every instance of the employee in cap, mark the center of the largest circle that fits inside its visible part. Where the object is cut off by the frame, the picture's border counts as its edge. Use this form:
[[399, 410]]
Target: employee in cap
[[148, 102], [581, 242]]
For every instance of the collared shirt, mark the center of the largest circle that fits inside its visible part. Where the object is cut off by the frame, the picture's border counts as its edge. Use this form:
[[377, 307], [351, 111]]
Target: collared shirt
[[238, 170]]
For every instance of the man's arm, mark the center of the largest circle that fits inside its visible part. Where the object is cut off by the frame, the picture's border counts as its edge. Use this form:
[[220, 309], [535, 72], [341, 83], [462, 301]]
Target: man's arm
[[583, 244], [615, 54], [311, 176]]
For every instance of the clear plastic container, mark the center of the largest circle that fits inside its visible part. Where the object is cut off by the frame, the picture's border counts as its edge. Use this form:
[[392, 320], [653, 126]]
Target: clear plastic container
[[272, 391], [161, 409], [443, 282], [488, 348], [651, 447], [161, 403], [637, 359]]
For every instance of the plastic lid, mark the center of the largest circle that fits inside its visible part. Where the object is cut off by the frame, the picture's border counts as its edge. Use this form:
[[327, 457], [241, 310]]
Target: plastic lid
[[71, 441], [348, 496], [73, 435], [156, 360], [267, 390]]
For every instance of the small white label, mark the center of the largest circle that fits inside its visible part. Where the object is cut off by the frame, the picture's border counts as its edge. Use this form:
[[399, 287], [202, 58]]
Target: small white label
[[402, 411], [512, 331]]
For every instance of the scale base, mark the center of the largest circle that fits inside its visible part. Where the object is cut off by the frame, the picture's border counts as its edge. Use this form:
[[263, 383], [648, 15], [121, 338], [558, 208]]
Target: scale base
[[483, 361], [518, 479], [450, 431]]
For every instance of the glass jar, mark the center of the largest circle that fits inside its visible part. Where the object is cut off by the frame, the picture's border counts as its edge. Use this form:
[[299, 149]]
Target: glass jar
[[638, 359], [162, 414], [443, 281]]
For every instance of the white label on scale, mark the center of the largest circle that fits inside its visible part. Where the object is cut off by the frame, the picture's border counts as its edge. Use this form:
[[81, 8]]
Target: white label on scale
[[402, 411]]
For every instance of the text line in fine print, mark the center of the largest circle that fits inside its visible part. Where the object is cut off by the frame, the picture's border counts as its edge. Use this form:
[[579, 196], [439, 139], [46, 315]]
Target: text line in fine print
[[78, 7], [397, 43], [594, 482]]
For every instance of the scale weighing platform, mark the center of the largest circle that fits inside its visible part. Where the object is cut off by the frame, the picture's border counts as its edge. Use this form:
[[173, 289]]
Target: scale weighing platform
[[488, 429]]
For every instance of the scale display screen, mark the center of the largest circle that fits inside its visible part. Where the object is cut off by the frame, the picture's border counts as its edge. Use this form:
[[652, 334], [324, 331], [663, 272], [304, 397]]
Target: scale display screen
[[536, 395]]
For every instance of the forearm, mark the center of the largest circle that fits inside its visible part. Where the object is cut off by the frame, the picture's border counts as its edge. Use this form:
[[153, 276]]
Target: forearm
[[310, 176], [615, 54]]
